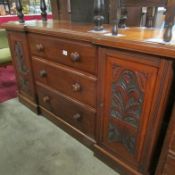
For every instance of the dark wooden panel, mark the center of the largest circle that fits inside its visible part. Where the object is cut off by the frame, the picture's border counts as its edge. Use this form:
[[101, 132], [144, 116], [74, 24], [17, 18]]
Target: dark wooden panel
[[80, 11], [53, 49], [144, 3], [60, 10], [134, 14], [83, 11], [67, 81], [55, 9], [76, 114]]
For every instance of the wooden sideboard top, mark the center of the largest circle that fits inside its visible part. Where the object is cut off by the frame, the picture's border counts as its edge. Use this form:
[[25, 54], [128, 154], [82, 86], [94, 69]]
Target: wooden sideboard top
[[133, 38]]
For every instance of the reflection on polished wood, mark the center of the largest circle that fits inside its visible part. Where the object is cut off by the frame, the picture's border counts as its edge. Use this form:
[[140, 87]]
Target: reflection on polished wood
[[132, 38], [151, 13]]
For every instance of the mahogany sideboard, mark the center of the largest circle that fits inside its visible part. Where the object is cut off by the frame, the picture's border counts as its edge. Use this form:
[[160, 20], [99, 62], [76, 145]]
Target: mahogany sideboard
[[110, 93]]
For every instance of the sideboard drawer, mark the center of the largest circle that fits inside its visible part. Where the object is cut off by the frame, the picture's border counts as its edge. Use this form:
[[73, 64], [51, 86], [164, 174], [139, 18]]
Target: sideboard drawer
[[79, 116], [67, 81], [75, 54]]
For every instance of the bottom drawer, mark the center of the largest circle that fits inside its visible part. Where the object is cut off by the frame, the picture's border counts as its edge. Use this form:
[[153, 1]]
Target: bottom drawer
[[78, 115]]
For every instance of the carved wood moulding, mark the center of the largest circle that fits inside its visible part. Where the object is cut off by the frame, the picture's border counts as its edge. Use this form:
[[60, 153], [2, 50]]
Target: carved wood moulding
[[20, 60], [127, 98], [121, 135], [23, 70]]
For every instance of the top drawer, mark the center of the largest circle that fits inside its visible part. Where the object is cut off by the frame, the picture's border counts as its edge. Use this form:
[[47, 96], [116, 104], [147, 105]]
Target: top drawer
[[75, 54]]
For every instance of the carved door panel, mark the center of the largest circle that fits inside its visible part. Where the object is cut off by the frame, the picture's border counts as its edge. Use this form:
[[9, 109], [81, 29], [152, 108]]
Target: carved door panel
[[129, 91], [22, 63], [128, 84]]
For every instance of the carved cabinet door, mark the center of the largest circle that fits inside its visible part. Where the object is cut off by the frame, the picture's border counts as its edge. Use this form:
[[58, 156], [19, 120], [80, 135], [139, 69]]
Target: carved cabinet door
[[22, 63], [131, 92]]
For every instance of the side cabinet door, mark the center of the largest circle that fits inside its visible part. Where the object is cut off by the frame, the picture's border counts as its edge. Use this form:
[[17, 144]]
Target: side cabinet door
[[21, 60], [128, 85]]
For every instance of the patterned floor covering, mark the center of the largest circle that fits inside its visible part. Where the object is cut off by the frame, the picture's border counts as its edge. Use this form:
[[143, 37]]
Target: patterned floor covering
[[7, 83]]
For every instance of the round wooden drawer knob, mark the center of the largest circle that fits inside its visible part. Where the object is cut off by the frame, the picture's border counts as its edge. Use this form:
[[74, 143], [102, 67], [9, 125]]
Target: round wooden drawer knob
[[43, 73], [40, 47], [77, 117], [76, 87], [46, 99], [75, 57]]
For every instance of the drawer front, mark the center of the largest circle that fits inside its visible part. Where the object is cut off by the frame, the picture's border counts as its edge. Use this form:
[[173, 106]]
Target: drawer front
[[71, 83], [75, 54], [75, 114]]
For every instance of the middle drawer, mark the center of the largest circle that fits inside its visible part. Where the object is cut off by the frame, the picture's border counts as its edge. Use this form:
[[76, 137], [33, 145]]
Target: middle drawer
[[67, 81]]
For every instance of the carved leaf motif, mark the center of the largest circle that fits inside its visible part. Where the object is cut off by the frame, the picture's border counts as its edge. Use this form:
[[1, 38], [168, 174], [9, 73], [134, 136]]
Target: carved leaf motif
[[24, 84], [22, 67], [20, 60], [123, 137], [127, 96], [142, 78]]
